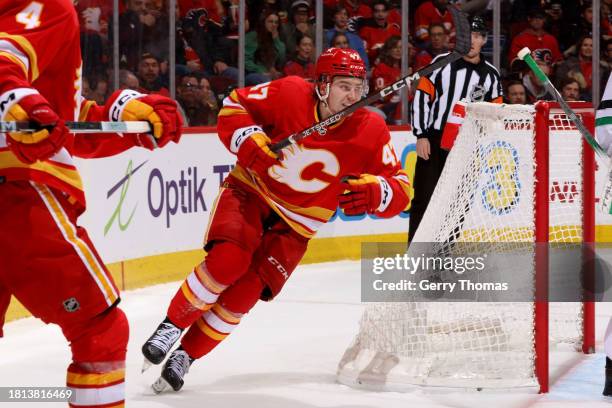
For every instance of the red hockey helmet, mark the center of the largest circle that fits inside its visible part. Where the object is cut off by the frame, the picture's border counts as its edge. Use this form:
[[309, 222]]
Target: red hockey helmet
[[339, 62]]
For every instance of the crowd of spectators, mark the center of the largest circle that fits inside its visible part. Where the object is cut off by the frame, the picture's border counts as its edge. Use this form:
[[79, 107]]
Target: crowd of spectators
[[280, 41]]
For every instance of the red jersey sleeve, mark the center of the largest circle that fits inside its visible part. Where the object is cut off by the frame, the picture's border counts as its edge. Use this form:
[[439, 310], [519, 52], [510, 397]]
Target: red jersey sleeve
[[386, 165], [255, 106], [100, 144]]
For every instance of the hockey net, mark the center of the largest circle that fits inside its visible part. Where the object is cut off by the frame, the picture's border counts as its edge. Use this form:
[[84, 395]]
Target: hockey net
[[489, 193]]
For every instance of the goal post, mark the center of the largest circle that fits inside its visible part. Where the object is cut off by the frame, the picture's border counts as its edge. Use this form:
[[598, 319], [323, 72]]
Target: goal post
[[516, 173], [550, 119]]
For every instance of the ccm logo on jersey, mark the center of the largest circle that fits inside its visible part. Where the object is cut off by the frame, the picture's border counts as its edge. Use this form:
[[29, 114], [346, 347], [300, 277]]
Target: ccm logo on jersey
[[279, 267], [242, 134], [117, 106]]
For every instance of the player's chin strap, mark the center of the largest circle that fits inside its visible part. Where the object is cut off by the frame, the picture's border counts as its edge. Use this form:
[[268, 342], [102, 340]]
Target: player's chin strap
[[463, 44], [323, 98]]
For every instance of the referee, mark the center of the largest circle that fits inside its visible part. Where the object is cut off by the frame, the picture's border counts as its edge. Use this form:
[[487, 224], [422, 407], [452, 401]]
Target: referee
[[470, 79]]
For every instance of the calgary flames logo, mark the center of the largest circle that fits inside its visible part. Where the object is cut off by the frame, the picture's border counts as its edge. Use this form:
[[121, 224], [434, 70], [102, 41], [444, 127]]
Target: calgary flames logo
[[306, 170]]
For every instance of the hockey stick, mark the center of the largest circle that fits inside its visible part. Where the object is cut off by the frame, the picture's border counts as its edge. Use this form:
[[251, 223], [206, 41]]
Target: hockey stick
[[462, 47], [82, 127], [525, 55]]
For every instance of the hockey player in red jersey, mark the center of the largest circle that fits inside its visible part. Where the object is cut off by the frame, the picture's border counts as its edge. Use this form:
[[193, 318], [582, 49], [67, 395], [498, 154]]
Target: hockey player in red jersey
[[46, 260], [271, 205]]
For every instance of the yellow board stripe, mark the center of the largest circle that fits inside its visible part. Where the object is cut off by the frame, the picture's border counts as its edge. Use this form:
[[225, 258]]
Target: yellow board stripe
[[95, 378], [208, 331], [82, 249], [26, 46], [15, 60]]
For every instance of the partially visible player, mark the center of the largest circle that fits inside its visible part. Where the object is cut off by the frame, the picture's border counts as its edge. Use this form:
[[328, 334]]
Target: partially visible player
[[47, 261], [468, 79], [270, 206], [603, 134]]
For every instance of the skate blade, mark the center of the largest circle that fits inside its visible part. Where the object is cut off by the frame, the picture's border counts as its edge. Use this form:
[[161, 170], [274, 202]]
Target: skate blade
[[146, 364], [160, 385]]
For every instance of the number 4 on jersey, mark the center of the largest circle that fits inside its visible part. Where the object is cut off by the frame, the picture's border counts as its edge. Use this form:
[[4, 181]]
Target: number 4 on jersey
[[388, 155], [30, 16]]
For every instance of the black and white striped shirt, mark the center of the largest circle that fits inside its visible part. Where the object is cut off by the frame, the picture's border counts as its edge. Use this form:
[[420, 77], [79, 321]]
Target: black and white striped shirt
[[437, 93]]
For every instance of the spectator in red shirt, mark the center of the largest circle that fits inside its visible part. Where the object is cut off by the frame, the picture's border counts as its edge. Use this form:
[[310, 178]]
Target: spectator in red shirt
[[430, 12], [438, 45], [302, 64], [356, 8], [379, 30], [395, 15], [386, 72], [535, 37]]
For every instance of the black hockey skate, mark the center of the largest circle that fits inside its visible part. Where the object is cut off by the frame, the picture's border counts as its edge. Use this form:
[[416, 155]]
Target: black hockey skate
[[158, 345], [174, 371], [608, 386]]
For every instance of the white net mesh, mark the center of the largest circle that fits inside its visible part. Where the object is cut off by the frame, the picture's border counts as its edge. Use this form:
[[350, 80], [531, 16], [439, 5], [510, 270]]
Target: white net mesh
[[485, 194]]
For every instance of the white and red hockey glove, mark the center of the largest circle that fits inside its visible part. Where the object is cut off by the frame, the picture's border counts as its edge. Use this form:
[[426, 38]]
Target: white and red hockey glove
[[161, 112], [26, 104], [252, 146], [453, 125], [365, 194]]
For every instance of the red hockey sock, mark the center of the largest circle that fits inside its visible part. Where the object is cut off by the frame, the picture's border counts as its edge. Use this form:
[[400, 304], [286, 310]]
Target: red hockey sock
[[96, 375], [218, 322], [224, 264]]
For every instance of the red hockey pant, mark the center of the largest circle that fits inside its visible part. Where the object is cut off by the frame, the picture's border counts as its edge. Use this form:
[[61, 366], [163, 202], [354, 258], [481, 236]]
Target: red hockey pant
[[251, 254], [49, 264]]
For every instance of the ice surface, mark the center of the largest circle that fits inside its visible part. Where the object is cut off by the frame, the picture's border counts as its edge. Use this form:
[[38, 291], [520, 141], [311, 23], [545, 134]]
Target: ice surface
[[283, 355]]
